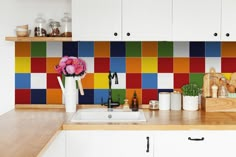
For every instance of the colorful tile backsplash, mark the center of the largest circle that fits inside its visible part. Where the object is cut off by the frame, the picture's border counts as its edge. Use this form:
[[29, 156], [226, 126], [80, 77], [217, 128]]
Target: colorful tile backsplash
[[146, 67]]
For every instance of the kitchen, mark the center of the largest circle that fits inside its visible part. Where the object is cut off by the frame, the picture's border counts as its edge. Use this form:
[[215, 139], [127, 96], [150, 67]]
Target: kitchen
[[192, 52]]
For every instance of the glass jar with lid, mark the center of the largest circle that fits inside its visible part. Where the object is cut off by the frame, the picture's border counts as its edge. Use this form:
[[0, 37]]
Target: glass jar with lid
[[54, 29], [40, 27], [66, 28]]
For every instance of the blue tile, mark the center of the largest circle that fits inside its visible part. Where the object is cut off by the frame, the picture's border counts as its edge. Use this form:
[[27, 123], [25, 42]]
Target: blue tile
[[86, 49], [117, 49], [87, 98], [100, 93], [197, 49], [118, 64], [22, 81], [213, 49], [38, 96], [149, 81], [70, 49]]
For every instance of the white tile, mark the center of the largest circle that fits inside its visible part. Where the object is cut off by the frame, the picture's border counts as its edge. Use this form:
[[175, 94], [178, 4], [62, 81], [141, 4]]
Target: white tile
[[54, 49], [214, 62], [38, 81], [89, 63], [121, 81], [165, 81], [181, 49]]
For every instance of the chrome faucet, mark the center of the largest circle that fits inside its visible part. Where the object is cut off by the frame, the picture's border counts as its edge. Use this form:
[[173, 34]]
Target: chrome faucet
[[110, 103]]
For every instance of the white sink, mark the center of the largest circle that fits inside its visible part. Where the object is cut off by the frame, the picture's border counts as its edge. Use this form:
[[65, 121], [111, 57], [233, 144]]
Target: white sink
[[104, 116]]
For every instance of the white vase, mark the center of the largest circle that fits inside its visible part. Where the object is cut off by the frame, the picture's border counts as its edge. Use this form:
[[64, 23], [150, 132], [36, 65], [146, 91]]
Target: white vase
[[70, 94], [190, 103]]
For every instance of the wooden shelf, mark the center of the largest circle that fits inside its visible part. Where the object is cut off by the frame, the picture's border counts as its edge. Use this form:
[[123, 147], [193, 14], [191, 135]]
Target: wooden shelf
[[38, 39]]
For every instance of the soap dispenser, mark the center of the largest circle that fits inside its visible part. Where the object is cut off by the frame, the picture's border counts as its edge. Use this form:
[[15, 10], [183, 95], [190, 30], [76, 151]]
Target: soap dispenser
[[134, 105]]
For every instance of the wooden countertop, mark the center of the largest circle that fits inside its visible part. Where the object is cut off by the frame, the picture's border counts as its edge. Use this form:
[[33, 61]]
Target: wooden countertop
[[24, 132]]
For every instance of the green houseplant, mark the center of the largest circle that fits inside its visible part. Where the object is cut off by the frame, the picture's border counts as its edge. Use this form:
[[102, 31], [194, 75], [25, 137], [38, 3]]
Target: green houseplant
[[190, 96]]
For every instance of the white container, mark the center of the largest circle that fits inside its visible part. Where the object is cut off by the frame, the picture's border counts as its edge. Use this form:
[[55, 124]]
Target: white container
[[70, 94], [190, 103], [175, 101], [164, 101]]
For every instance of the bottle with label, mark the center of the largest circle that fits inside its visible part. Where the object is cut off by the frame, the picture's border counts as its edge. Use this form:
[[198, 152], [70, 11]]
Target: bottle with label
[[134, 105]]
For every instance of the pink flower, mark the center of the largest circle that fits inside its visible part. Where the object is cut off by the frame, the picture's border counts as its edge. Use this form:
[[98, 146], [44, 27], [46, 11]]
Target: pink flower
[[70, 69], [64, 59]]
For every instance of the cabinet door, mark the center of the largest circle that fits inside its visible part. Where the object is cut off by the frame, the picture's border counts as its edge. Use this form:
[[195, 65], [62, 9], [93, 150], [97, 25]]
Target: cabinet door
[[196, 20], [228, 20], [109, 143], [195, 143], [96, 20], [147, 20]]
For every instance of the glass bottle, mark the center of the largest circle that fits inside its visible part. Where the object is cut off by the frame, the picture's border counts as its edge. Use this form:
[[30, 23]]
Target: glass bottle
[[66, 26], [214, 88], [223, 92], [54, 29], [135, 106], [40, 27]]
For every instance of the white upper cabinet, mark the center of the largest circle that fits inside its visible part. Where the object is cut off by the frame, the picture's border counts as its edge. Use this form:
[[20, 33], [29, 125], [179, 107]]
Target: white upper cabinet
[[147, 20], [228, 20], [96, 20], [196, 20]]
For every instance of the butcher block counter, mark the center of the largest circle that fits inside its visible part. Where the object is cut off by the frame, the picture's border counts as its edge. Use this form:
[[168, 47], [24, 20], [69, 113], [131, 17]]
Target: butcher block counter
[[25, 131]]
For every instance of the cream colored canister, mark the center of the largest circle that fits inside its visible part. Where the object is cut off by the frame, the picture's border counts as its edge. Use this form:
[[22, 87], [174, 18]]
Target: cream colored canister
[[175, 100], [164, 101]]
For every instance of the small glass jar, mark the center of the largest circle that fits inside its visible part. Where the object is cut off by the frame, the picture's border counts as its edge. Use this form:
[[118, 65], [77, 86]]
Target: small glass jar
[[40, 27], [54, 29], [66, 26]]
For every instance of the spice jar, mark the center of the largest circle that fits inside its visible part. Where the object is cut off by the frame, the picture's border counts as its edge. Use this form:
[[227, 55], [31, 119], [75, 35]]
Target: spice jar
[[54, 29], [66, 26], [40, 27]]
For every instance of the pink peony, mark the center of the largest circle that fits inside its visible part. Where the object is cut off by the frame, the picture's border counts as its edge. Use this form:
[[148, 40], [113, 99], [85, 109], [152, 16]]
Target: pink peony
[[64, 59], [70, 69]]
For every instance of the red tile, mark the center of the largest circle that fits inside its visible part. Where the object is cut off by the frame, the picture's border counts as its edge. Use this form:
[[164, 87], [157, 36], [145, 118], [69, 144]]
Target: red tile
[[228, 65], [22, 96], [38, 65], [165, 65], [101, 65], [149, 94], [133, 80], [52, 81], [180, 80], [197, 65]]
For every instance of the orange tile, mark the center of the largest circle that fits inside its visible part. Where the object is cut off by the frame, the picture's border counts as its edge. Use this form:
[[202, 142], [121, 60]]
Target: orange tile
[[130, 93], [88, 81], [181, 65], [101, 49], [149, 49], [228, 49], [54, 96], [51, 63], [22, 49], [133, 65]]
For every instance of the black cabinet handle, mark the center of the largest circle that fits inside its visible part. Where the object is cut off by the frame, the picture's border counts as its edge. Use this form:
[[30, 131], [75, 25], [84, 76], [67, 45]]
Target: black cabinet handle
[[128, 34], [115, 34], [147, 144], [227, 34], [196, 139], [215, 34]]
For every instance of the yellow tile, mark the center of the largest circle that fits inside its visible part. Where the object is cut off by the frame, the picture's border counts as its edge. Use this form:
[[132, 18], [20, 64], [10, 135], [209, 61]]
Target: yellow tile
[[149, 64], [22, 65], [101, 81]]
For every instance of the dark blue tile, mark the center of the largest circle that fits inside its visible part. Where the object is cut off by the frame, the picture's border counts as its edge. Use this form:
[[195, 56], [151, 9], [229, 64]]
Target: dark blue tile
[[213, 49], [118, 64], [165, 90], [87, 98], [117, 49], [197, 49], [38, 96], [149, 81], [86, 49], [22, 81], [70, 49], [100, 94]]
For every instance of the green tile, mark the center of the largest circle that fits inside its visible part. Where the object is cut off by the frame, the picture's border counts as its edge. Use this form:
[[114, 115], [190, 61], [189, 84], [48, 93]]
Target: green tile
[[165, 49], [38, 49], [118, 93], [133, 49], [197, 78]]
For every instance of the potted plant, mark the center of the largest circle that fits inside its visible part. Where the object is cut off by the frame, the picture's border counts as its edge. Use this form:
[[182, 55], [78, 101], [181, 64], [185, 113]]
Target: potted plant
[[190, 97]]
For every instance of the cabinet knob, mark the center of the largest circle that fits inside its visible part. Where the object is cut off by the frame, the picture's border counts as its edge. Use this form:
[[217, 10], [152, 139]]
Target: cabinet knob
[[227, 34], [128, 34], [115, 34], [215, 34]]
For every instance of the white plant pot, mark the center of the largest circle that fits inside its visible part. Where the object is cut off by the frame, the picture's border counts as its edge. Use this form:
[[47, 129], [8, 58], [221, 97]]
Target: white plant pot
[[190, 103], [70, 94]]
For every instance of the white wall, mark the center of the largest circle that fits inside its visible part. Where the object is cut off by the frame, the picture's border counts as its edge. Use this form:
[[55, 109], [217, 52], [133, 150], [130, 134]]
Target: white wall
[[19, 12]]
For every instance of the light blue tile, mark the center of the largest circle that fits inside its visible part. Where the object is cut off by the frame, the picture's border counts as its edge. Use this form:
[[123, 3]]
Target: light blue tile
[[22, 81], [149, 81], [213, 49], [86, 49], [99, 94], [118, 64]]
